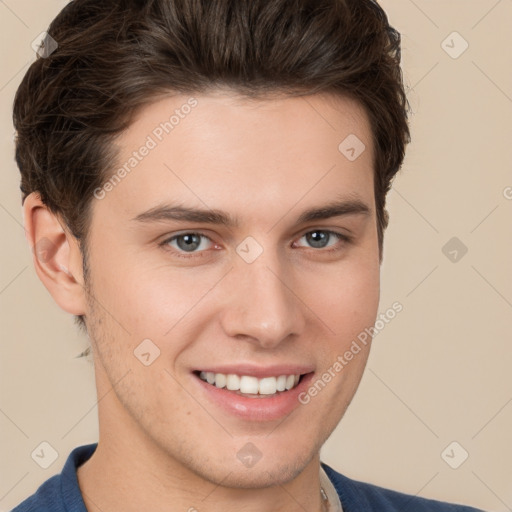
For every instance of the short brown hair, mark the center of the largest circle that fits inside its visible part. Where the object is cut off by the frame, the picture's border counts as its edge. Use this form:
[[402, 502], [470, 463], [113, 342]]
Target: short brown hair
[[114, 57]]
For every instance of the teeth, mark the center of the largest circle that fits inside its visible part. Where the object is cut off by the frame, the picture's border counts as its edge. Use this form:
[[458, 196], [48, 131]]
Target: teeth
[[281, 383], [233, 382], [248, 384], [251, 385], [268, 386], [220, 380]]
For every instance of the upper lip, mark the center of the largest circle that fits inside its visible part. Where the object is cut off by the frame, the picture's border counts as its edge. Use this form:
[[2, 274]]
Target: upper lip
[[258, 371]]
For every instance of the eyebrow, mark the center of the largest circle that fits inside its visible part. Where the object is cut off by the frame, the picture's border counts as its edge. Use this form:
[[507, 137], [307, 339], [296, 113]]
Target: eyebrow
[[169, 212]]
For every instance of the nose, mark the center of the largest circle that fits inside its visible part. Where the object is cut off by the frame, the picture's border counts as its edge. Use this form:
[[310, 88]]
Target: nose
[[262, 306]]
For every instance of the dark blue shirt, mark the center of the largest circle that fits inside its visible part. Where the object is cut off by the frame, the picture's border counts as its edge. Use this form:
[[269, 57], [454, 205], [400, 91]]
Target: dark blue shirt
[[61, 493]]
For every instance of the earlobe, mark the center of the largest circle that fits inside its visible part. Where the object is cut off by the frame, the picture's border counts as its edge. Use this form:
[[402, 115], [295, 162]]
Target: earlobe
[[56, 255]]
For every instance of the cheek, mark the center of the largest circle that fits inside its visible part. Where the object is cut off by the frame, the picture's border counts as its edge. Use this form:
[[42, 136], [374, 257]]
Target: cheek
[[346, 298], [149, 300], [347, 303]]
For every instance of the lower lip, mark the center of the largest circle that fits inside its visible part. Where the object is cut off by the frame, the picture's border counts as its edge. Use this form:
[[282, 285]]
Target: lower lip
[[271, 407]]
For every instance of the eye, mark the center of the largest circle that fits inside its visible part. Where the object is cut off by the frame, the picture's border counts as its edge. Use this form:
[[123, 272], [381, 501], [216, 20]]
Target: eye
[[187, 242], [190, 244], [322, 238]]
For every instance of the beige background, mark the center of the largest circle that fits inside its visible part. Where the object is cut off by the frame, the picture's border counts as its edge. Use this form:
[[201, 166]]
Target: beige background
[[438, 373]]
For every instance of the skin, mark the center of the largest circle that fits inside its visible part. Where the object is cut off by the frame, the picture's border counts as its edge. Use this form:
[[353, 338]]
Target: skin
[[265, 161]]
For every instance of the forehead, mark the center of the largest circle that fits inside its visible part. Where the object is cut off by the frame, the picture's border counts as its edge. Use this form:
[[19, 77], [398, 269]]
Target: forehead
[[254, 153]]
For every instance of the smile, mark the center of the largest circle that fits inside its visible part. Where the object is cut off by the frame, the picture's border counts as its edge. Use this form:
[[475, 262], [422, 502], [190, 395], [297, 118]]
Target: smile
[[250, 385], [251, 392]]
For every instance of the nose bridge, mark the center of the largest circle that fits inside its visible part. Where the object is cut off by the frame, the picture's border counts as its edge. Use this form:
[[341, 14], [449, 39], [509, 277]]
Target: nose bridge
[[262, 305]]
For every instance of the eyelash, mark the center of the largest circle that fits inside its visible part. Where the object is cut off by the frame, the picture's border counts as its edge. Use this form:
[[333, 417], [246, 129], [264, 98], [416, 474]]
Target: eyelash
[[199, 254]]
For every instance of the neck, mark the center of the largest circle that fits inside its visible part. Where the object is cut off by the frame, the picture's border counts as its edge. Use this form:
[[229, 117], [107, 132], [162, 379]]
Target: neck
[[122, 478]]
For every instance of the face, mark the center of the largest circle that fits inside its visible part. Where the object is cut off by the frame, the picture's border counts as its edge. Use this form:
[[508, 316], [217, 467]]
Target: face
[[238, 249]]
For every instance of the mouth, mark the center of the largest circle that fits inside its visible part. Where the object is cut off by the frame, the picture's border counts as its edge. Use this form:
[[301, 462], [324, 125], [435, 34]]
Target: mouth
[[251, 386], [254, 393]]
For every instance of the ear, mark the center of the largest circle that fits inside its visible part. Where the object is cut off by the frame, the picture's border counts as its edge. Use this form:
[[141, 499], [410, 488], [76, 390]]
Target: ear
[[57, 258]]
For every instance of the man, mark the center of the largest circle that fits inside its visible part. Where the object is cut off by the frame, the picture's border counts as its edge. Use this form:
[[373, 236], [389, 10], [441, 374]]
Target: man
[[204, 188]]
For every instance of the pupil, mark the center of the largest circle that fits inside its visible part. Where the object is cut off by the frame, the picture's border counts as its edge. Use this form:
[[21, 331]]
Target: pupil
[[317, 238], [191, 242]]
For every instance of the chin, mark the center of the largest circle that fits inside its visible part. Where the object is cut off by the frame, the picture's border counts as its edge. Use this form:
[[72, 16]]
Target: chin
[[259, 473], [259, 477]]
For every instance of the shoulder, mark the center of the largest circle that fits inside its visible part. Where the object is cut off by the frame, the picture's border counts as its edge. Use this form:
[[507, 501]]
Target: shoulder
[[61, 492], [46, 498], [355, 495]]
